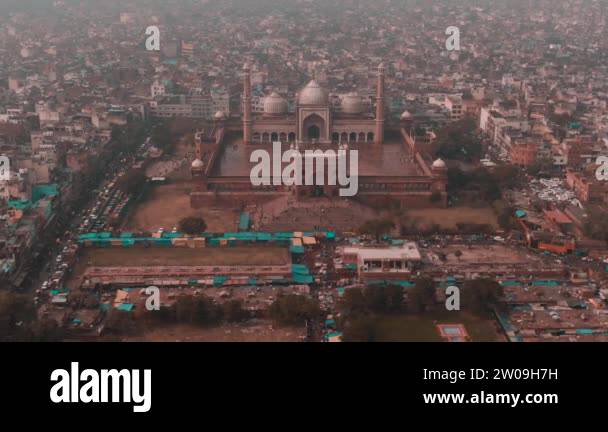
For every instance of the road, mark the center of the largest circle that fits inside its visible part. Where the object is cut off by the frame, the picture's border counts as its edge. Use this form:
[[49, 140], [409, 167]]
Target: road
[[57, 263]]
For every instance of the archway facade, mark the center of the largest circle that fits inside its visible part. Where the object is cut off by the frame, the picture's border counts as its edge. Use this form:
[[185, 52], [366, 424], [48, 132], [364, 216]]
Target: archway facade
[[314, 128]]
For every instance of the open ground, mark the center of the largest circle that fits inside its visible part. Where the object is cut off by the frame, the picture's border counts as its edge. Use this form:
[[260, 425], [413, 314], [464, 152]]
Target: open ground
[[167, 204], [261, 331], [449, 218], [423, 328]]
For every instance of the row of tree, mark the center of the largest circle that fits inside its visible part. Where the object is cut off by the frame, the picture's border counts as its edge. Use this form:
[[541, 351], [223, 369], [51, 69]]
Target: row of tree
[[292, 309], [363, 307], [189, 309], [18, 320]]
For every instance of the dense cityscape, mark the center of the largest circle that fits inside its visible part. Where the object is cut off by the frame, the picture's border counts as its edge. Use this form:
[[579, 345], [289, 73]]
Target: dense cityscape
[[477, 132]]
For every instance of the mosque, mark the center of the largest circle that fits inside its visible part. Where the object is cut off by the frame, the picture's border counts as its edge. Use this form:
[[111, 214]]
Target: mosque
[[314, 121], [394, 171]]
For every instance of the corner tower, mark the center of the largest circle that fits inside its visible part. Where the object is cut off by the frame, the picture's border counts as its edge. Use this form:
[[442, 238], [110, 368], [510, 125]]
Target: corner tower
[[380, 105], [247, 120]]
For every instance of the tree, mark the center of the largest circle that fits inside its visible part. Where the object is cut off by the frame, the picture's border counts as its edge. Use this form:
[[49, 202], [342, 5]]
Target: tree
[[293, 309], [377, 228], [505, 214], [393, 298], [162, 136], [489, 184], [14, 309], [422, 296], [197, 310], [354, 301], [596, 226], [132, 182], [233, 311], [480, 295], [384, 298], [45, 330], [376, 299], [120, 322], [459, 140], [192, 225], [361, 329]]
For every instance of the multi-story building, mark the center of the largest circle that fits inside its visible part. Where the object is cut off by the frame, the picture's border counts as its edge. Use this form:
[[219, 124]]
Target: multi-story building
[[197, 104], [587, 188]]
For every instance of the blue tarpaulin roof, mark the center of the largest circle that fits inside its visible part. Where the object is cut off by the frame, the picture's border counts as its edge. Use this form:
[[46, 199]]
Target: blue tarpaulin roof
[[244, 222], [42, 191], [219, 280], [510, 283], [303, 279], [300, 269], [296, 249]]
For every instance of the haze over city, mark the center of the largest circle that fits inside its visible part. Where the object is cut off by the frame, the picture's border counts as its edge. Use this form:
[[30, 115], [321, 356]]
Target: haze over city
[[304, 170]]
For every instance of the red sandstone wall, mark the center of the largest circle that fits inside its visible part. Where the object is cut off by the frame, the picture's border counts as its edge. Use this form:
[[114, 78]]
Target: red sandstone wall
[[230, 199]]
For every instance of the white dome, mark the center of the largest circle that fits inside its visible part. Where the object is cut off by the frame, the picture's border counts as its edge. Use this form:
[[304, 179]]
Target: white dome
[[439, 164], [313, 94], [275, 104], [219, 115], [352, 104], [406, 115], [197, 163]]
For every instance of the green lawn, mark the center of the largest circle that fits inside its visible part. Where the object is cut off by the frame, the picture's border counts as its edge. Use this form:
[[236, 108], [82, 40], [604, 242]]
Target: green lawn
[[422, 328]]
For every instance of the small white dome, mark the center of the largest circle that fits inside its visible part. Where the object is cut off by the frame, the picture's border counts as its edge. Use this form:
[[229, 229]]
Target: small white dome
[[439, 164], [313, 94], [352, 104], [219, 115], [275, 104], [197, 163], [406, 115]]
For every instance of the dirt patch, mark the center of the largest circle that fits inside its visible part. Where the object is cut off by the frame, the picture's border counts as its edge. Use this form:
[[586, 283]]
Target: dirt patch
[[167, 204], [450, 218], [157, 256], [259, 332]]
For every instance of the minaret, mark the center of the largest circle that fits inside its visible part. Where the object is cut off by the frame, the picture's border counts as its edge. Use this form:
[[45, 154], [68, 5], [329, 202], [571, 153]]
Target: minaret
[[247, 122], [198, 165], [380, 105]]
